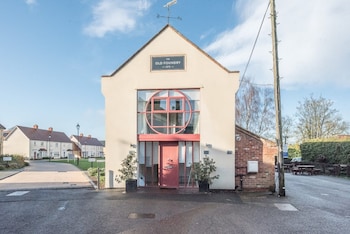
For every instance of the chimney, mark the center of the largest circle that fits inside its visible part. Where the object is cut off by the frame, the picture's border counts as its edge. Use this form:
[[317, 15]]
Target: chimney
[[89, 136], [50, 129], [35, 126], [81, 135]]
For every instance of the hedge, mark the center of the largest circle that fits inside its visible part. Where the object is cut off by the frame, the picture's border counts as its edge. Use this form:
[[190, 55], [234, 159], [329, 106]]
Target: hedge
[[336, 152], [16, 162]]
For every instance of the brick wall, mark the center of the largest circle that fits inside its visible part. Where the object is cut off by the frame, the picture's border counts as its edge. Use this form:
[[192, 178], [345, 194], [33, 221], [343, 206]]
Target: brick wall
[[250, 147]]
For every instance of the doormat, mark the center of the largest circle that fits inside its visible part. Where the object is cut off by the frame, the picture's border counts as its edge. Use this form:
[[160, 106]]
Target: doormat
[[141, 216]]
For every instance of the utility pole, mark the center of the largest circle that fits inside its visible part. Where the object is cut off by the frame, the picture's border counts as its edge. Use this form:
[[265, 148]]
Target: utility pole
[[277, 94]]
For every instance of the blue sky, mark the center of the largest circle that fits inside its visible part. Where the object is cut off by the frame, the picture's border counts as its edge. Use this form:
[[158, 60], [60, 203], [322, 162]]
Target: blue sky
[[53, 53]]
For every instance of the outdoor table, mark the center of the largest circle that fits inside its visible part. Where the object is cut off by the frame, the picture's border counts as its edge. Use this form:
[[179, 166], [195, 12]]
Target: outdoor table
[[306, 168], [288, 167], [303, 168]]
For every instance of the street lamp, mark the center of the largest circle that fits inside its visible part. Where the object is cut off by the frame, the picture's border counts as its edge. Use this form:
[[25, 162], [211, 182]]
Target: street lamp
[[78, 127], [49, 148]]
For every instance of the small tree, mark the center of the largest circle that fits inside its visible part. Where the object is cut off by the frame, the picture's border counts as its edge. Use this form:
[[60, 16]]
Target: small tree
[[129, 168], [202, 170]]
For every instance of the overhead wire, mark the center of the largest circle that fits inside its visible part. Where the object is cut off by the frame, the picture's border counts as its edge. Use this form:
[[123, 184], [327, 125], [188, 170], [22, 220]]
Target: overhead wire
[[256, 40]]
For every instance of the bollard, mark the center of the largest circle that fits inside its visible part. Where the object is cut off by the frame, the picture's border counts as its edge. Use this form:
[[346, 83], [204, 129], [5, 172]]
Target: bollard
[[98, 178]]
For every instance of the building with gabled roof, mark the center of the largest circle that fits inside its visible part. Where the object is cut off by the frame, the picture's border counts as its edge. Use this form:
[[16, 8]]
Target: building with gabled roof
[[2, 128], [35, 143], [87, 146], [173, 104]]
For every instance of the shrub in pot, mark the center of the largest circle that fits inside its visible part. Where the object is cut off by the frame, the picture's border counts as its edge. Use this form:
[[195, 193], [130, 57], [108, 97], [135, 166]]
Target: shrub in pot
[[128, 171], [202, 172]]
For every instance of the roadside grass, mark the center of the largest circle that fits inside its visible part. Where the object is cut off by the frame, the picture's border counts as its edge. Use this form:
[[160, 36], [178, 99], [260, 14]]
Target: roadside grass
[[83, 163]]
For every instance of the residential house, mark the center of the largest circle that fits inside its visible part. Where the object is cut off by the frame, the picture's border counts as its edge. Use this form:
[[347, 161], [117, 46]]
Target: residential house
[[173, 104], [35, 143], [87, 146], [2, 128]]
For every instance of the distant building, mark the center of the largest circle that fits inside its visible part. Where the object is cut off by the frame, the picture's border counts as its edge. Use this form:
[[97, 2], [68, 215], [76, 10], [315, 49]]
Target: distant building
[[87, 146], [2, 128], [35, 143]]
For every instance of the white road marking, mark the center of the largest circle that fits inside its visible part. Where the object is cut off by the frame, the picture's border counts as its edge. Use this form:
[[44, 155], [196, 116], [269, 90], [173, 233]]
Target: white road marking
[[17, 193], [285, 207], [63, 207]]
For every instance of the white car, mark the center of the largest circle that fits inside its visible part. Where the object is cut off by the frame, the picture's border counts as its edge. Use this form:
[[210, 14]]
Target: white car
[[296, 159]]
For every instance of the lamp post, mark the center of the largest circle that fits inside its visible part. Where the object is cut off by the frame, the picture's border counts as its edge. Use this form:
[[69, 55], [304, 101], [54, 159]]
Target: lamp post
[[85, 154], [49, 149], [78, 127]]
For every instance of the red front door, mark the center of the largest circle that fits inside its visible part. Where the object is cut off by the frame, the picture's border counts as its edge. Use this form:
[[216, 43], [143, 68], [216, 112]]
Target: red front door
[[169, 172]]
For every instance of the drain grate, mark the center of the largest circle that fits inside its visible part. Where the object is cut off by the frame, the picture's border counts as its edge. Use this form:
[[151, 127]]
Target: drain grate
[[141, 216]]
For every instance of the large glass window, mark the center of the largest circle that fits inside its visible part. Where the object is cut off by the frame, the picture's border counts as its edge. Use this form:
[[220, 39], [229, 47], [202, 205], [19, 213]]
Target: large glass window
[[168, 111], [148, 165]]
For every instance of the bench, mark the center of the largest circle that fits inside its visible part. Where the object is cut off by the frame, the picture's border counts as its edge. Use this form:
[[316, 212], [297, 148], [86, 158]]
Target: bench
[[316, 171], [296, 170]]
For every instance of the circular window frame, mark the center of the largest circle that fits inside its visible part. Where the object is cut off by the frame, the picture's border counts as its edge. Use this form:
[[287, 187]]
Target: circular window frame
[[151, 111]]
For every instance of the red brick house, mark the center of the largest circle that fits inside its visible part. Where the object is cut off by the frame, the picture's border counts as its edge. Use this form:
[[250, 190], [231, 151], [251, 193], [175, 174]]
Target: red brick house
[[255, 162]]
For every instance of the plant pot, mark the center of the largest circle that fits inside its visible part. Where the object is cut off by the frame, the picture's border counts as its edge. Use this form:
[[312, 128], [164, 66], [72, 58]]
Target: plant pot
[[203, 186], [130, 185]]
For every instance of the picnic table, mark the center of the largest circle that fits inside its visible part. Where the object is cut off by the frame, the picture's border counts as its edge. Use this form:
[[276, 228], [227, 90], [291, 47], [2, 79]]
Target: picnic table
[[308, 169], [338, 169]]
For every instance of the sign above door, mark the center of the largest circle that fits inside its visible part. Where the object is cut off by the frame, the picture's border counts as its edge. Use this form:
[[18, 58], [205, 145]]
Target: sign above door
[[161, 63]]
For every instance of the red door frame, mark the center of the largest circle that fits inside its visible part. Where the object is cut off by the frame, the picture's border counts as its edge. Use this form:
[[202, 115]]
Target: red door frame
[[169, 164]]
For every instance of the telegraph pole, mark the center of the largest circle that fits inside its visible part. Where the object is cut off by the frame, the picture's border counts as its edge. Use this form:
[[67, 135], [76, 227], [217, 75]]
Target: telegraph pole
[[277, 94]]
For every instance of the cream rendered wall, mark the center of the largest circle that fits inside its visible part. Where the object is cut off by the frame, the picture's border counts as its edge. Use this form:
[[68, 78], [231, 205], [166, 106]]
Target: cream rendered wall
[[18, 144], [217, 117]]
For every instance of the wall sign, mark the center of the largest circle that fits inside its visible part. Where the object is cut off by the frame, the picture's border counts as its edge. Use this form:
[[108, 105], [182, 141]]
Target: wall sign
[[167, 63]]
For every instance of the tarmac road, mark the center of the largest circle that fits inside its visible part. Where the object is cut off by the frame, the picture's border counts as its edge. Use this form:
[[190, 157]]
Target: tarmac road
[[314, 204], [43, 175]]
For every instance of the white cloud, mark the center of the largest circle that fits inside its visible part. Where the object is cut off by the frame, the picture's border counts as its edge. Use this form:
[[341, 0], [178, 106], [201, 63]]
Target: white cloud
[[314, 42], [116, 15], [30, 2]]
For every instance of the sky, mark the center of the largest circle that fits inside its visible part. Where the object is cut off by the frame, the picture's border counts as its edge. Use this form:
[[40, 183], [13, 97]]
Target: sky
[[53, 53]]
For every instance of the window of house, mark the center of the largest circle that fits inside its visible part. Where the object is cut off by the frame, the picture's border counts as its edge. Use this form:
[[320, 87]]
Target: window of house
[[168, 111]]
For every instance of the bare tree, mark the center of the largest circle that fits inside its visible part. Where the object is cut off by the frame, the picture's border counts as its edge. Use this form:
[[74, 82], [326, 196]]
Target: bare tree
[[287, 127], [255, 109], [318, 119]]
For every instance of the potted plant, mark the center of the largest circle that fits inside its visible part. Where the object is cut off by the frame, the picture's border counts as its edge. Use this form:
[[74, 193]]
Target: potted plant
[[202, 172], [128, 172]]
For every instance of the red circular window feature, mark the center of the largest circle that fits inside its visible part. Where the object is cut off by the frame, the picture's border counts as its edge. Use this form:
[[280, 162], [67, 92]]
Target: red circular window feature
[[168, 112]]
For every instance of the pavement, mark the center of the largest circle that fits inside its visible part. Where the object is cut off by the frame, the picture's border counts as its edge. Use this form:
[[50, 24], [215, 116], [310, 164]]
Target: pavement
[[45, 175], [5, 174], [52, 175]]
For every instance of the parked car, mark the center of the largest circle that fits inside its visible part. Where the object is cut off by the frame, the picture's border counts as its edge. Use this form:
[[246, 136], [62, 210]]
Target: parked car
[[296, 159]]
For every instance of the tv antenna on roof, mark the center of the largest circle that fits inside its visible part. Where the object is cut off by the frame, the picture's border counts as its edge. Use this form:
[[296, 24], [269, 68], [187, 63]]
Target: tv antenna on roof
[[168, 5]]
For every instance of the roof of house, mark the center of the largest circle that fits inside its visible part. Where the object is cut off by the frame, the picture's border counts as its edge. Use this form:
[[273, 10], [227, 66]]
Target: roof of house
[[251, 134], [88, 140], [168, 26], [2, 127], [42, 135]]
